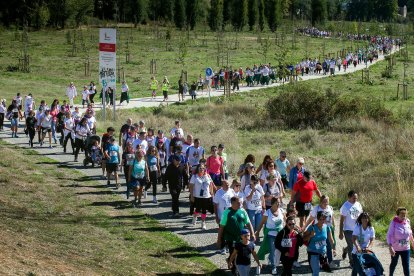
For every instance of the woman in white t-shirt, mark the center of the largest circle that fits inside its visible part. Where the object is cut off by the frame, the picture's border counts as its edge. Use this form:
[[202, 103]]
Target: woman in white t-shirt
[[330, 222], [68, 131], [255, 203], [274, 219], [201, 191], [81, 132], [46, 127], [363, 239]]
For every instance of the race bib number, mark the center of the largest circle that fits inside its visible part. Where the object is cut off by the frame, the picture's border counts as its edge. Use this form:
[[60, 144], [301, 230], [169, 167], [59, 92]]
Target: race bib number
[[153, 168], [308, 206], [403, 243], [320, 244], [163, 170], [287, 243], [257, 203], [113, 153], [129, 159]]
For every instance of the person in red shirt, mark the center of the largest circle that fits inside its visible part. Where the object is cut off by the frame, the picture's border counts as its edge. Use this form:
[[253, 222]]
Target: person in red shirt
[[302, 194], [214, 166]]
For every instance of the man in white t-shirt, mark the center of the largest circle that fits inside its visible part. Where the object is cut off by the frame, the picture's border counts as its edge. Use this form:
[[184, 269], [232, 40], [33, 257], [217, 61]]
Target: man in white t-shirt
[[350, 211], [178, 128], [222, 199], [194, 154], [141, 141]]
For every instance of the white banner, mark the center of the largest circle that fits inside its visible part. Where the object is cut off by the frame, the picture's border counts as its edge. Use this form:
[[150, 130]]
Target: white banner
[[107, 58]]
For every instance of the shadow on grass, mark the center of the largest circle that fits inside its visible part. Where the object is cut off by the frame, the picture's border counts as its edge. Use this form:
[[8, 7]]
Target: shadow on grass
[[217, 272]]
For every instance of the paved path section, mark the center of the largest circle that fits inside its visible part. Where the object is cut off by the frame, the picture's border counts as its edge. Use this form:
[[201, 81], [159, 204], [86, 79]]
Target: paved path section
[[173, 96], [203, 240]]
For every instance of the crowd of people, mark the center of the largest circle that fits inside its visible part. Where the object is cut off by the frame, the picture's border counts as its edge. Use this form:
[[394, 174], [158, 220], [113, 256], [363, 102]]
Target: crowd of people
[[268, 204]]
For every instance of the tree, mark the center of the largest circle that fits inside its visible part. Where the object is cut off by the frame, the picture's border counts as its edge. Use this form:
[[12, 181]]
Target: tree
[[261, 7], [227, 11], [274, 14], [253, 13], [318, 11], [191, 13], [179, 13], [239, 14], [386, 10], [215, 20]]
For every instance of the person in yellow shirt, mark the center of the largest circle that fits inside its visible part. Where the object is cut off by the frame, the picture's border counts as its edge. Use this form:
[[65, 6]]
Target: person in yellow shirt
[[154, 87], [164, 88]]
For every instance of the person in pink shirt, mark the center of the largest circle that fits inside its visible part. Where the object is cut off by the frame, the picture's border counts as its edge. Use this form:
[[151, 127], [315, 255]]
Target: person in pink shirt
[[214, 166], [54, 111], [399, 236]]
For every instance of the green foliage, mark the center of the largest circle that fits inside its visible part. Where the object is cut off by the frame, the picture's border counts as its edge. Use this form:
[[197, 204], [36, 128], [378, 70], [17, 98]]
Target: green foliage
[[261, 8], [215, 20], [382, 10], [239, 14], [191, 13], [302, 106], [319, 12], [253, 13], [40, 16], [179, 13], [274, 13]]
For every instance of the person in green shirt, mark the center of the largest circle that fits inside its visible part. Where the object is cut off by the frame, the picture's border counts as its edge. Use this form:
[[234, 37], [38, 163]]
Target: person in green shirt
[[224, 156], [233, 220]]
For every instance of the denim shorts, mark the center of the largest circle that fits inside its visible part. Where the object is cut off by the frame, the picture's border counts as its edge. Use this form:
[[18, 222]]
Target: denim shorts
[[14, 121]]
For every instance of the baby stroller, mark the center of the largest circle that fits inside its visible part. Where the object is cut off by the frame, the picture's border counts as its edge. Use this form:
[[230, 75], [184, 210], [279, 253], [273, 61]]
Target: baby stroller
[[92, 155], [370, 264]]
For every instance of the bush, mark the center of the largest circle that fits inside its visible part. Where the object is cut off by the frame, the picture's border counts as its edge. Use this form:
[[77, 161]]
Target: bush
[[303, 106]]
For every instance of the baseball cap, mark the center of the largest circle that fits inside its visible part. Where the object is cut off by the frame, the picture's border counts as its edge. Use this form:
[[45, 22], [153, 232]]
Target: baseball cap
[[221, 146], [245, 232], [301, 160]]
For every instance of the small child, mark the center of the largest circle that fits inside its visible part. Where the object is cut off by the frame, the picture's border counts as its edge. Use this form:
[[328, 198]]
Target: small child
[[96, 153], [193, 92], [242, 253]]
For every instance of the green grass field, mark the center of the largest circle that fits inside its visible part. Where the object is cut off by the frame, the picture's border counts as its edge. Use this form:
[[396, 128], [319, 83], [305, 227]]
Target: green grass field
[[53, 65], [54, 220]]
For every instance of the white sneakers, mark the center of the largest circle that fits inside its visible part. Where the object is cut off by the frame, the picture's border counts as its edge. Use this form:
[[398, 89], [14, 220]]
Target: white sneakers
[[296, 264], [145, 194], [154, 200], [194, 220], [274, 271], [203, 225]]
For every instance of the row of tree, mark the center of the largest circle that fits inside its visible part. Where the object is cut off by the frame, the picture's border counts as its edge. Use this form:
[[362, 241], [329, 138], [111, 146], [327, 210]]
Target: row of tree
[[185, 14]]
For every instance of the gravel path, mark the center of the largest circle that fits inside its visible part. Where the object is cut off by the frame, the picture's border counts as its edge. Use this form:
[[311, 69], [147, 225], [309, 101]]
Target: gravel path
[[203, 240]]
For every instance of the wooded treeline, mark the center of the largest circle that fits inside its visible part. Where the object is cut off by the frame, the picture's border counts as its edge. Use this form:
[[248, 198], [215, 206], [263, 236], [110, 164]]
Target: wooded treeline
[[186, 14]]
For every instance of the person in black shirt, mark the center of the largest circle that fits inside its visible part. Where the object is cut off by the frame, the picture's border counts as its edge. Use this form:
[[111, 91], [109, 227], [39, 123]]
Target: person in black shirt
[[60, 123], [242, 253], [173, 175], [31, 127]]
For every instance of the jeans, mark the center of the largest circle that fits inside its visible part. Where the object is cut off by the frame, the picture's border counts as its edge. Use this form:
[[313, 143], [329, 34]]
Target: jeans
[[54, 130], [329, 250], [405, 259], [287, 263], [356, 268], [314, 263], [274, 255], [349, 244], [255, 218], [244, 270]]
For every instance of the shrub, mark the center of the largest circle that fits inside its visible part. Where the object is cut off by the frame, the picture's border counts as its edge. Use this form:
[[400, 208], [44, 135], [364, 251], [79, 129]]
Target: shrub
[[302, 106]]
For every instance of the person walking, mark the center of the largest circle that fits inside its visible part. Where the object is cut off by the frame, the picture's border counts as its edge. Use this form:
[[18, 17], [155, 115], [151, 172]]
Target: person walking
[[68, 131], [242, 255], [164, 87], [316, 236], [153, 87], [302, 195], [288, 241], [173, 177], [71, 93], [138, 175], [399, 236], [81, 132], [31, 126], [113, 159], [363, 239], [153, 160], [255, 203], [233, 221], [3, 110], [350, 212], [14, 116], [201, 191], [274, 220], [296, 173], [124, 93], [283, 167]]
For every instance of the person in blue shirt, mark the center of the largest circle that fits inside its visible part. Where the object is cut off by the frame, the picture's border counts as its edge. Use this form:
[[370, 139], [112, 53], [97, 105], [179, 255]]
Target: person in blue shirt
[[296, 173], [316, 236], [113, 157]]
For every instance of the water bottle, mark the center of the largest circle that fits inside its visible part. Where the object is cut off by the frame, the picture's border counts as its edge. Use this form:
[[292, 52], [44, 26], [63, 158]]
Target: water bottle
[[258, 270]]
